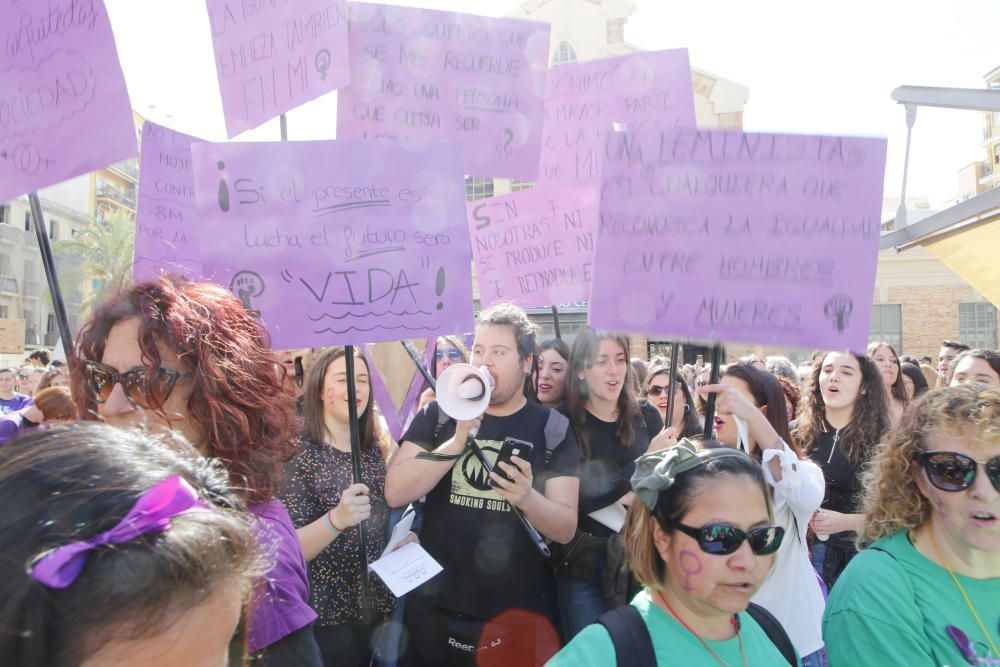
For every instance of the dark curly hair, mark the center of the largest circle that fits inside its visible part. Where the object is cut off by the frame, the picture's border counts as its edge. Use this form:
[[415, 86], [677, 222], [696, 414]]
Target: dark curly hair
[[869, 420], [237, 399]]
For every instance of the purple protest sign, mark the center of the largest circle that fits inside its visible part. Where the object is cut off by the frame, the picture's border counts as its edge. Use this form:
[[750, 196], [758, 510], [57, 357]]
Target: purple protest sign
[[338, 242], [726, 236], [166, 236], [274, 56], [422, 75], [584, 100], [64, 109], [535, 247]]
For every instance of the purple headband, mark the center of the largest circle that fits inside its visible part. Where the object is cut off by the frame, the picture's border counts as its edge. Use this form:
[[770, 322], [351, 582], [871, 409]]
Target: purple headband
[[59, 567]]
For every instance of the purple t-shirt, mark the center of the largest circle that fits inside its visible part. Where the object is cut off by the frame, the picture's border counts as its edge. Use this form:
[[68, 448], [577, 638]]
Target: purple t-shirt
[[15, 403], [10, 426], [280, 605]]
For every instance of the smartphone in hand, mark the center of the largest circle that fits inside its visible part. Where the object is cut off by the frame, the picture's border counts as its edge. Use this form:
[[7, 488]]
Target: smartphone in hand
[[511, 447]]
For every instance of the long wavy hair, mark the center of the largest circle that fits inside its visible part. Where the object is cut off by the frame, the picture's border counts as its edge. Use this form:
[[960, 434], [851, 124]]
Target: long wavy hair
[[586, 347], [892, 501], [869, 419], [898, 388], [237, 398], [314, 427]]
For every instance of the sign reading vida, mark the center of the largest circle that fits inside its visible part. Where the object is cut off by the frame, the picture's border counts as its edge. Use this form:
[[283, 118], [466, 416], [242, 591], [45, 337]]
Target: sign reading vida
[[330, 245]]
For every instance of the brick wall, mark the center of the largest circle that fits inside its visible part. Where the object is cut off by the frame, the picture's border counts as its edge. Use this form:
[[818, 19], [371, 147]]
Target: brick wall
[[930, 315]]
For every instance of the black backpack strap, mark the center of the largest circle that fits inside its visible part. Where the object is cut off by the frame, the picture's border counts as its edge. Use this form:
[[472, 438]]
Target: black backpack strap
[[442, 420], [774, 631], [555, 432], [630, 636]]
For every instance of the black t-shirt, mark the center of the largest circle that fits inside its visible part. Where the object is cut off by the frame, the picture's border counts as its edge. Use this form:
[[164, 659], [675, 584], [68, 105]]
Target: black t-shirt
[[605, 475], [490, 563], [843, 480]]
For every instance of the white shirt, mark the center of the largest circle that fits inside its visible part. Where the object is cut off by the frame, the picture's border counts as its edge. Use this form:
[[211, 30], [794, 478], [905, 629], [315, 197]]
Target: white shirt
[[791, 591]]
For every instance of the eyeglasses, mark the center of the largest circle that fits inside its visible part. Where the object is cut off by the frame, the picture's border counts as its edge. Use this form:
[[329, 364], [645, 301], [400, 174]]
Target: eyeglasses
[[152, 394], [454, 354], [656, 390], [951, 471], [722, 539]]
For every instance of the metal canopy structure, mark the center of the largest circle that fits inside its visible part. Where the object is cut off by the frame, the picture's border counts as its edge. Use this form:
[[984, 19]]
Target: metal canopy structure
[[966, 236]]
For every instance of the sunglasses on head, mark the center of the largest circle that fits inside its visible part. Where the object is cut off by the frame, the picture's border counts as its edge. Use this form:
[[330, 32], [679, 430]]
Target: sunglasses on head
[[722, 539], [454, 354], [101, 381], [951, 471]]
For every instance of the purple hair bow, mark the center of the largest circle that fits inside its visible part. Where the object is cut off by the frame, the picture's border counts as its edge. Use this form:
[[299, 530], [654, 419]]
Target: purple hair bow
[[59, 567]]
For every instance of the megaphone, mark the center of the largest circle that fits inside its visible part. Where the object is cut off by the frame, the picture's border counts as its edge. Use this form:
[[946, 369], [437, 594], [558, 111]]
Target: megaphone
[[463, 391]]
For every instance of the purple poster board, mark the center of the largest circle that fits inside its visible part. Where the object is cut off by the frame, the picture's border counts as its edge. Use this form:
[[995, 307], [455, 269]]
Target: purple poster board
[[584, 100], [421, 75], [64, 109], [166, 233], [535, 247], [330, 245], [726, 236], [271, 57]]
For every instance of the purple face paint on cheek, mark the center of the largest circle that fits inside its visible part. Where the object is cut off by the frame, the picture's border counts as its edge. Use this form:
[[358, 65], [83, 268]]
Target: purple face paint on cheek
[[938, 502], [690, 566]]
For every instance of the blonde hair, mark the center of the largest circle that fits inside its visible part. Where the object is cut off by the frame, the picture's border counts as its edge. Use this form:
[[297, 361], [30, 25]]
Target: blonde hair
[[892, 502]]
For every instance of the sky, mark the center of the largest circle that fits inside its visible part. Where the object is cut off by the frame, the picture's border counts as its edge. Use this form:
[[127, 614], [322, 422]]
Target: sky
[[811, 67]]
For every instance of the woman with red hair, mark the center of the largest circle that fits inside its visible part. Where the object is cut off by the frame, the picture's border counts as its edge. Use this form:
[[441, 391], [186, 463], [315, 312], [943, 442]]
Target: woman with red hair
[[188, 357]]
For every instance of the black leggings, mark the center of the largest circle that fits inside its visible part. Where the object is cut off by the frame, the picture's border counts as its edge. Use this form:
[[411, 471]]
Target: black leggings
[[345, 645], [298, 649]]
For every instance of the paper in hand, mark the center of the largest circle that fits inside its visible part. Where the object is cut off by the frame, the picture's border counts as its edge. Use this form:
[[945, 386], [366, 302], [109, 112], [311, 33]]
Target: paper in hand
[[406, 568]]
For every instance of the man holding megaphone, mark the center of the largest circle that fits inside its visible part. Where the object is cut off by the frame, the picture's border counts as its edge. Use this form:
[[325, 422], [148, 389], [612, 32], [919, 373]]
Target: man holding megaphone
[[492, 565]]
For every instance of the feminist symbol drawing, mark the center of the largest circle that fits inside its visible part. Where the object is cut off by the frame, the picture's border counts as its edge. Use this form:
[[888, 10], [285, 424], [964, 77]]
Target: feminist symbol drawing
[[838, 310], [247, 285]]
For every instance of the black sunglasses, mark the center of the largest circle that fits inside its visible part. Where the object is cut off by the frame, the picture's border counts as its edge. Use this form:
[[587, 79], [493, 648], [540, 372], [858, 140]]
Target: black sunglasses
[[454, 354], [951, 471], [722, 539], [152, 394], [655, 390]]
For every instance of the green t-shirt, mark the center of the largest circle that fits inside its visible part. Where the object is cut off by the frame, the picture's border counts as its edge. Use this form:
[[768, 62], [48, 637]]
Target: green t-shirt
[[893, 606], [672, 643]]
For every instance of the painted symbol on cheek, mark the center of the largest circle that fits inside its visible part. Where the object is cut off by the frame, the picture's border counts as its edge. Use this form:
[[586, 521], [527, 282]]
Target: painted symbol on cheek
[[690, 566], [938, 502]]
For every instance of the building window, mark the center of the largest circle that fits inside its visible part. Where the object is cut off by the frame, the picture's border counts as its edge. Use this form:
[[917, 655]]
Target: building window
[[996, 154], [27, 221], [478, 188], [515, 186], [977, 324], [571, 322], [616, 31], [887, 325], [54, 229], [4, 215], [563, 55], [3, 312]]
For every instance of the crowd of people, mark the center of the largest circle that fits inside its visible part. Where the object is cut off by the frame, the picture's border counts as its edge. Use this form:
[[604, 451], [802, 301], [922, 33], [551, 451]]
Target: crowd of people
[[192, 499]]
